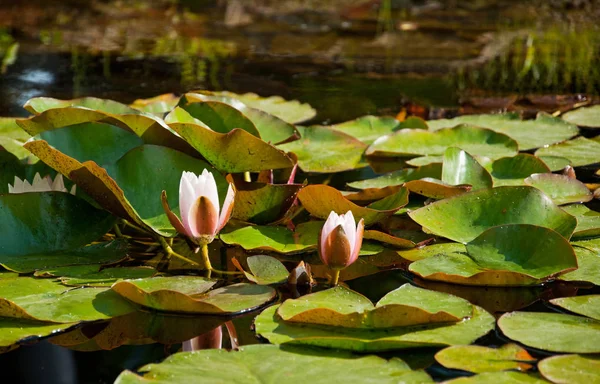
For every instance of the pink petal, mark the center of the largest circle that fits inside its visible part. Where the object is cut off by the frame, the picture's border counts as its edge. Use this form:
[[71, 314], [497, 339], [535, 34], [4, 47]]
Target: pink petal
[[360, 230], [349, 226], [210, 189], [331, 222], [227, 207]]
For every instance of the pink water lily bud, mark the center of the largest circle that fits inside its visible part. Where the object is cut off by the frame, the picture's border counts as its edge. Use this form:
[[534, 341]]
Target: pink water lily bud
[[201, 215], [340, 240], [40, 184]]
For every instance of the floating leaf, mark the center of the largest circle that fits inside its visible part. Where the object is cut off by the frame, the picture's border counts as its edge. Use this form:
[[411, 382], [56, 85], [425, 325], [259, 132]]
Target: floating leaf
[[552, 332], [104, 278], [425, 160], [45, 300], [513, 170], [294, 364], [499, 378], [584, 117], [405, 306], [436, 189], [265, 270], [459, 167], [579, 151], [418, 142], [432, 250], [41, 104], [12, 137], [368, 128], [272, 327], [588, 221], [324, 150], [236, 151], [191, 295], [99, 253], [321, 199], [399, 177], [158, 105], [388, 239], [588, 305], [262, 203], [560, 188], [477, 359], [12, 330], [542, 131], [219, 117], [45, 222], [274, 238], [571, 369], [462, 218], [589, 267]]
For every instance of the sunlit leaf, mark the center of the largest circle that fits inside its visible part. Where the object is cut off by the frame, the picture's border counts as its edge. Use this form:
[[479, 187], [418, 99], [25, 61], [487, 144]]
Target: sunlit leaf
[[585, 117], [588, 221], [400, 177], [475, 358], [588, 305], [560, 188], [571, 369], [514, 170], [588, 267], [579, 151], [12, 137], [459, 167], [262, 203], [506, 377]]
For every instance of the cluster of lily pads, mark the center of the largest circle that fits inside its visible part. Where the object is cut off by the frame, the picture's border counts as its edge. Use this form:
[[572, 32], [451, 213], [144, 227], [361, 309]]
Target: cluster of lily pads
[[485, 213]]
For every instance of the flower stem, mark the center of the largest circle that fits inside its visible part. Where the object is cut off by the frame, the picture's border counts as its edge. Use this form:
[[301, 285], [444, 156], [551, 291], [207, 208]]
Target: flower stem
[[209, 266], [247, 177], [336, 277], [171, 252], [117, 230]]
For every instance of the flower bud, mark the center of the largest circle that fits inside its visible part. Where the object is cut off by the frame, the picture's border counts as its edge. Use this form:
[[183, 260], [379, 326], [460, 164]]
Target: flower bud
[[340, 240]]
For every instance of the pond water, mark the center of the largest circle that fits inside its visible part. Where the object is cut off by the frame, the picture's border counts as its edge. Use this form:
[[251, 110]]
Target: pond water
[[433, 59]]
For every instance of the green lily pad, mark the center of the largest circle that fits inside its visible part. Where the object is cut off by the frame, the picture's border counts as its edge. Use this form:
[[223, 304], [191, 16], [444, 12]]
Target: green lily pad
[[432, 250], [560, 188], [418, 142], [190, 294], [590, 244], [324, 150], [10, 167], [523, 248], [584, 117], [436, 189], [266, 270], [45, 300], [579, 151], [41, 104], [262, 203], [400, 177], [104, 278], [100, 253], [425, 160], [13, 330], [291, 111], [459, 167], [235, 151], [158, 105], [555, 163], [462, 218], [273, 238], [405, 306], [321, 199], [514, 170], [589, 267], [46, 222], [554, 332], [385, 238], [588, 221], [542, 131], [499, 378], [292, 364], [571, 369], [217, 116], [12, 137], [477, 359], [367, 128], [588, 305], [270, 326]]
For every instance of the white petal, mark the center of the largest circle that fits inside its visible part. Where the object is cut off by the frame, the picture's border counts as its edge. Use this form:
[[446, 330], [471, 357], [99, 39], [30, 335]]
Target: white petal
[[332, 221], [18, 186], [186, 199], [225, 213], [210, 190], [74, 189], [58, 184], [40, 184], [349, 226]]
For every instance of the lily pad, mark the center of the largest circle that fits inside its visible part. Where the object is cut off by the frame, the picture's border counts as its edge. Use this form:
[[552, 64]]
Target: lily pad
[[514, 170], [588, 221], [158, 105], [459, 167], [104, 278], [588, 305], [432, 250], [571, 369], [584, 117], [41, 104], [273, 238], [270, 326], [477, 359], [400, 177], [589, 267], [385, 238], [190, 294], [321, 199], [367, 128], [100, 253], [46, 222], [405, 306], [499, 378], [13, 331], [436, 189], [542, 131], [292, 362], [235, 151], [418, 142], [579, 151], [560, 188], [262, 203], [219, 117], [323, 150], [462, 218], [552, 332], [45, 300], [12, 137], [265, 270]]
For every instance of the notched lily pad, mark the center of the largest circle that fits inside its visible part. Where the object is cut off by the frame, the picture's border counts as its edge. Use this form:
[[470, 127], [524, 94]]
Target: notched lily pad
[[192, 295], [264, 270], [477, 359], [405, 306]]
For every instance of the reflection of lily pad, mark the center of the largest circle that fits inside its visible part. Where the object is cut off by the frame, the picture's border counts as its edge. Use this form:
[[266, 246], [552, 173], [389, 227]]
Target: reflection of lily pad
[[405, 306], [191, 295], [475, 358], [277, 331], [294, 365]]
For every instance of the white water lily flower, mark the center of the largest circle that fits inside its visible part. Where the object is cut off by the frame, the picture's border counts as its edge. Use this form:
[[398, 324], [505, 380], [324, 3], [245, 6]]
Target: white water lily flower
[[40, 184], [201, 215]]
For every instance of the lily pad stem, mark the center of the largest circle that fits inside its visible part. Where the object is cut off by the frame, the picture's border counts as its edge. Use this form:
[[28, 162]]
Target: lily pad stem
[[117, 230], [171, 252], [335, 278]]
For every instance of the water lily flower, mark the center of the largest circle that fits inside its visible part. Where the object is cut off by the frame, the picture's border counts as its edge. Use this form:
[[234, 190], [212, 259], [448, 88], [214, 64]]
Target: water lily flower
[[340, 241], [201, 215], [40, 184]]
